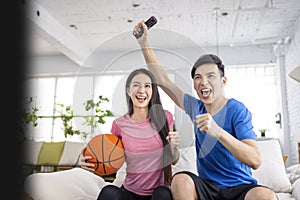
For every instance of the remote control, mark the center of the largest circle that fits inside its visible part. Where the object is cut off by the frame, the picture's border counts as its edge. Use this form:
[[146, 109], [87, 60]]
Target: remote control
[[149, 23]]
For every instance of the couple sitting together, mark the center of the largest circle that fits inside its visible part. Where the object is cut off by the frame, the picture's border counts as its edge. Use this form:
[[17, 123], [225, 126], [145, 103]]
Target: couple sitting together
[[225, 142]]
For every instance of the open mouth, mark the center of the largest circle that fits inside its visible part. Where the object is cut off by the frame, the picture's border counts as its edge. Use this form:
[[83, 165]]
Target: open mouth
[[141, 99], [206, 92]]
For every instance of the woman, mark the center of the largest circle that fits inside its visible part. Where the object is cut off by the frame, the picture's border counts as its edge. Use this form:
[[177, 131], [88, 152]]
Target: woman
[[150, 145]]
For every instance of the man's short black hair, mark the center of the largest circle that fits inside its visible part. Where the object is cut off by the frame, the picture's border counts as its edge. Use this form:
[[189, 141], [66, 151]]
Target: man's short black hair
[[208, 59]]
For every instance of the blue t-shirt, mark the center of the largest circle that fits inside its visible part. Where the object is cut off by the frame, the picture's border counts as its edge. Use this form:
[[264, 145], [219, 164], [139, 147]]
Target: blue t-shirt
[[214, 162]]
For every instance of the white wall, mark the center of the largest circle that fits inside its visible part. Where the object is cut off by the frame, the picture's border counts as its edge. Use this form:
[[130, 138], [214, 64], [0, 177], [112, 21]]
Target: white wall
[[125, 60]]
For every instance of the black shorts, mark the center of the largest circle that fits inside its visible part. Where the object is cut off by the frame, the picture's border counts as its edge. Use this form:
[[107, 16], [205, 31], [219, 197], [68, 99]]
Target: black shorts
[[206, 190]]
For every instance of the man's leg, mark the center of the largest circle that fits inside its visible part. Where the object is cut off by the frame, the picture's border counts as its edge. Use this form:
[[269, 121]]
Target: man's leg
[[183, 187], [260, 193]]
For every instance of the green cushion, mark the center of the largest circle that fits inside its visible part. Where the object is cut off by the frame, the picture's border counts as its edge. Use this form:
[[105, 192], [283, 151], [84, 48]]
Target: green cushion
[[50, 153]]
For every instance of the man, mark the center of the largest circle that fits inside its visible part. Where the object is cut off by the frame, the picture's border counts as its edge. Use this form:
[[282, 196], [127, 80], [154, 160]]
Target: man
[[225, 141]]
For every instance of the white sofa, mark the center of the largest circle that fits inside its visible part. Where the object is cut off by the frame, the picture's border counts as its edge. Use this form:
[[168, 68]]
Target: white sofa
[[79, 184]]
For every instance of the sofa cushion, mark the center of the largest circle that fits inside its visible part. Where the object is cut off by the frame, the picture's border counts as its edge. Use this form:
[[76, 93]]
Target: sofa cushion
[[187, 160], [284, 196], [50, 153], [71, 153], [31, 150], [293, 172], [293, 169], [64, 153], [272, 173], [296, 189], [70, 184]]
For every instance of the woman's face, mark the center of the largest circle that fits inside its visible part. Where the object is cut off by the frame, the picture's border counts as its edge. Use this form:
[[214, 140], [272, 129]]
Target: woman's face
[[140, 90]]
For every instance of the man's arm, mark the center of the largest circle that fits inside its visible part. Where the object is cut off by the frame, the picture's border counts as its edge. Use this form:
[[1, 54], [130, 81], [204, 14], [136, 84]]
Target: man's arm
[[175, 93], [246, 151]]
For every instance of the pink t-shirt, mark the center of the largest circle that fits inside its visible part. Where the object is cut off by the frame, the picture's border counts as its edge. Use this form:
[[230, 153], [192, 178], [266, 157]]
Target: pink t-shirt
[[143, 149]]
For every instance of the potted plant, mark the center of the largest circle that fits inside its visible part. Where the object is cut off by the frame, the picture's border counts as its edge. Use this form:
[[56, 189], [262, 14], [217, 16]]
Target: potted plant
[[262, 132]]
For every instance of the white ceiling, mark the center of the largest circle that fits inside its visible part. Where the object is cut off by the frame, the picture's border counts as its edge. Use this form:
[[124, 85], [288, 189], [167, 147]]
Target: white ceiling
[[75, 28]]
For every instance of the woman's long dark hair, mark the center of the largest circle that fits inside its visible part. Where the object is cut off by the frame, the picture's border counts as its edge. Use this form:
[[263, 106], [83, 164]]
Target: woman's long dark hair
[[157, 117]]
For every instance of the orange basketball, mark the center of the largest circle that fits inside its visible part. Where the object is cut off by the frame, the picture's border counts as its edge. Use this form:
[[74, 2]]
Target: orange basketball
[[107, 153]]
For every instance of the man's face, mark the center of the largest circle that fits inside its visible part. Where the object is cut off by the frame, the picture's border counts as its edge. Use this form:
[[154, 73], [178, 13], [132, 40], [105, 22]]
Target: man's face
[[208, 83]]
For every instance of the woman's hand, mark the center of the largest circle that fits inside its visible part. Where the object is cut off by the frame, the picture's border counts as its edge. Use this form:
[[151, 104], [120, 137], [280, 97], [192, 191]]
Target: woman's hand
[[174, 141], [84, 164]]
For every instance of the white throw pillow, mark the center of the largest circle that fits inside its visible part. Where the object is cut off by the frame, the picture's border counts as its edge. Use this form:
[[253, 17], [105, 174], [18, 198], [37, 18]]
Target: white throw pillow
[[71, 152], [31, 150], [296, 189], [73, 184], [293, 169], [271, 173], [187, 160]]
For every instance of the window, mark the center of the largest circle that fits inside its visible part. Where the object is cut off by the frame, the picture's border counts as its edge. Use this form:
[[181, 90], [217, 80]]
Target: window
[[255, 86], [75, 91], [42, 91]]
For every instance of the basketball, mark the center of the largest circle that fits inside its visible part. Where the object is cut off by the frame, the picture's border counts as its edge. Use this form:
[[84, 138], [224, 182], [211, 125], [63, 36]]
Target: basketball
[[107, 153]]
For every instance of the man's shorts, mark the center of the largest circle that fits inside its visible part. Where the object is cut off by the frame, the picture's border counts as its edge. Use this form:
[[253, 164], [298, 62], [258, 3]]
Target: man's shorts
[[209, 191]]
